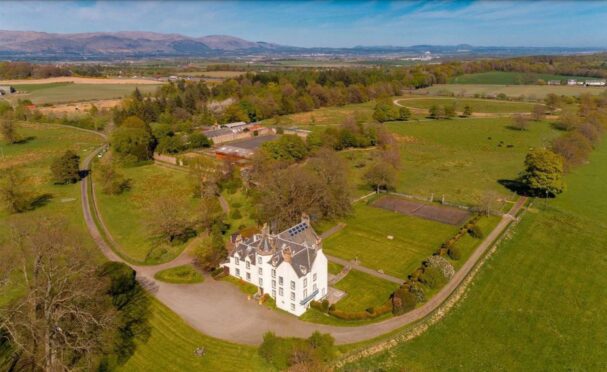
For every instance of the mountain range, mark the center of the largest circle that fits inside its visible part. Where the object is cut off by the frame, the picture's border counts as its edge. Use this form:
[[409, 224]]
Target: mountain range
[[136, 44]]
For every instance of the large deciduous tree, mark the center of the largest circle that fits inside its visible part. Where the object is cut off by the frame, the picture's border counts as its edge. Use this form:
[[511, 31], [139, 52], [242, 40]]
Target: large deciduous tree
[[63, 321], [133, 140], [543, 173], [8, 128], [13, 191], [66, 169], [168, 218]]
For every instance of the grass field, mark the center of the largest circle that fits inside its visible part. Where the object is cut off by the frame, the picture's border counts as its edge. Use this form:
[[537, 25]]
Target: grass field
[[462, 159], [34, 157], [477, 105], [538, 303], [501, 77], [528, 91], [172, 344], [325, 116], [185, 274], [363, 291], [125, 214], [66, 92], [366, 237]]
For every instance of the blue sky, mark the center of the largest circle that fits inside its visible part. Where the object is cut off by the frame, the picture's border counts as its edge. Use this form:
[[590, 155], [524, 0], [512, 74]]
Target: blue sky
[[330, 23]]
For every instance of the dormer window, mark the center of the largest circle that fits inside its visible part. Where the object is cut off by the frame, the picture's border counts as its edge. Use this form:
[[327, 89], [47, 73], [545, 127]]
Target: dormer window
[[303, 269]]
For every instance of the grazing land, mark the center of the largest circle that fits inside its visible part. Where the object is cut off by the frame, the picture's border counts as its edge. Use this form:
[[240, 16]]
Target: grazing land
[[539, 303], [463, 159], [51, 93], [125, 214], [172, 345], [502, 77], [365, 237], [185, 274], [43, 144], [477, 105], [80, 80], [326, 116], [448, 215], [528, 91]]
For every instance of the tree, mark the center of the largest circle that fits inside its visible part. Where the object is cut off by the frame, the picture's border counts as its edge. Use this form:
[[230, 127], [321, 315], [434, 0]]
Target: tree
[[134, 144], [381, 175], [13, 191], [450, 111], [112, 181], [198, 140], [66, 169], [543, 173], [487, 203], [205, 175], [385, 110], [436, 112], [211, 251], [567, 121], [8, 130], [520, 122], [168, 219], [538, 112], [404, 114], [63, 320], [287, 147], [467, 111]]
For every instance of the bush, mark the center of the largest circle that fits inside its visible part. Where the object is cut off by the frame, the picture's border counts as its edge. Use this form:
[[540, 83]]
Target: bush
[[403, 300], [432, 277], [235, 214], [454, 253], [476, 232]]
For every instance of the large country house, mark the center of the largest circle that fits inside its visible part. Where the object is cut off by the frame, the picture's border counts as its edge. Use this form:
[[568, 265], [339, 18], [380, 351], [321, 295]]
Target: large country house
[[289, 266]]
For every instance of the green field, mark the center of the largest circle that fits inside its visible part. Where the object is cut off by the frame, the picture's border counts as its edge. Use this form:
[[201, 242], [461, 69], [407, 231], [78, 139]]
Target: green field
[[531, 92], [185, 274], [462, 159], [125, 214], [325, 116], [67, 92], [539, 302], [34, 157], [172, 344], [363, 291], [366, 237], [477, 105], [508, 78]]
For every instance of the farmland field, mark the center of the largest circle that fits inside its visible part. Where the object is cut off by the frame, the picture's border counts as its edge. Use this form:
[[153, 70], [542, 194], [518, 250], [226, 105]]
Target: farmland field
[[463, 159], [325, 116], [528, 91], [366, 237], [34, 157], [50, 93], [538, 303], [501, 77], [477, 105], [125, 214]]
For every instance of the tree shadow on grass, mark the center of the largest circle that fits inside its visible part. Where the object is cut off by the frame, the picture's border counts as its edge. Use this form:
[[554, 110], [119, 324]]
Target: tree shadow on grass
[[516, 186], [25, 140], [40, 201]]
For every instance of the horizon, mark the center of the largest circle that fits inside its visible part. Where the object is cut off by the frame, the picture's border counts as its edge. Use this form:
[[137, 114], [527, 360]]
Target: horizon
[[349, 23]]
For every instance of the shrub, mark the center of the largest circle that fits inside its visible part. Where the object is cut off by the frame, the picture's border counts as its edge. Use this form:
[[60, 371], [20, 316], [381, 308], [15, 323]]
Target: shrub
[[454, 253], [325, 305], [235, 214], [403, 300], [432, 277], [476, 232], [444, 265]]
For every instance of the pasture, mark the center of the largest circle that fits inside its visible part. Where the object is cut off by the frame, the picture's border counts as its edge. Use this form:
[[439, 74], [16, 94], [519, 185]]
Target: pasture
[[365, 238], [325, 116], [63, 92], [530, 92], [538, 303], [461, 159], [125, 214], [477, 105], [509, 78]]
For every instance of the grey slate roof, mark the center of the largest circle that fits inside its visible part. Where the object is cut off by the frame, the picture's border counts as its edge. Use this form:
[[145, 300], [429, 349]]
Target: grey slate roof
[[300, 242]]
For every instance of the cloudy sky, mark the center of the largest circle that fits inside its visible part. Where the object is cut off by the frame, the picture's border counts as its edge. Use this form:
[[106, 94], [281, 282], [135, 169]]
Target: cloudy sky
[[329, 23]]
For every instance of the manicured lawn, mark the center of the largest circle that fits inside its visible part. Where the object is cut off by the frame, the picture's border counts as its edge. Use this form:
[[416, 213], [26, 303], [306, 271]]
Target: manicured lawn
[[529, 91], [125, 214], [366, 237], [502, 77], [172, 344], [363, 291], [64, 92], [245, 287], [185, 274], [477, 105], [463, 159], [334, 268], [467, 243], [538, 303]]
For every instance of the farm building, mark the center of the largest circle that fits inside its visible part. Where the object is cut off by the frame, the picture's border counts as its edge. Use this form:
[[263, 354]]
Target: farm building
[[554, 82], [595, 83], [6, 90], [233, 153], [571, 82], [303, 133], [236, 131], [289, 266]]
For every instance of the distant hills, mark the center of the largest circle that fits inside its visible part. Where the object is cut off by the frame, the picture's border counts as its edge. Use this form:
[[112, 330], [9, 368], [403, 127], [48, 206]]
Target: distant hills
[[132, 44]]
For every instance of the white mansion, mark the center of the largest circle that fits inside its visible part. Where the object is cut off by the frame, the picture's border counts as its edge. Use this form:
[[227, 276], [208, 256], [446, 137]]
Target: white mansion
[[289, 266]]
